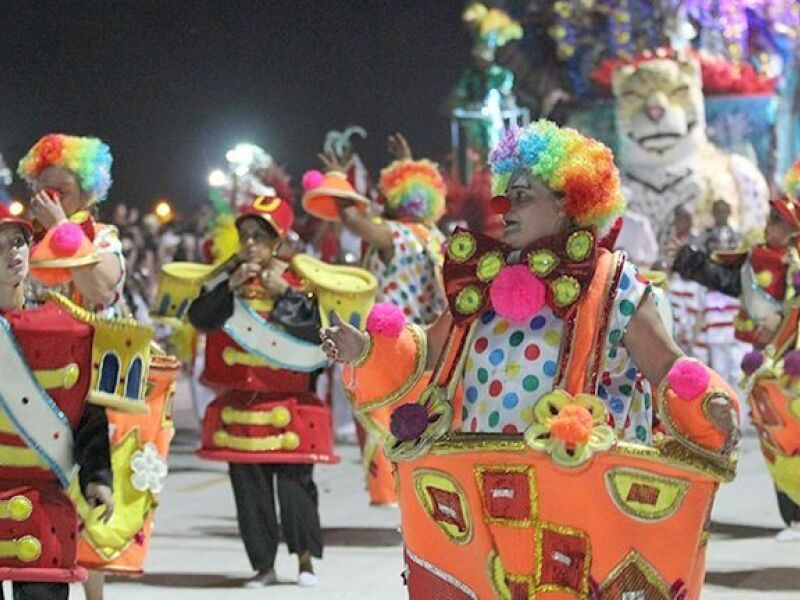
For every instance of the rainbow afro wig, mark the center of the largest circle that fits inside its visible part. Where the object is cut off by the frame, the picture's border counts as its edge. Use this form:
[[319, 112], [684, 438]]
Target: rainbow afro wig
[[87, 157], [414, 191], [568, 163], [791, 181]]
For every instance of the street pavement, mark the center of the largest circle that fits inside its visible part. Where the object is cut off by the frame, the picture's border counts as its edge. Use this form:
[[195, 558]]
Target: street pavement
[[196, 553]]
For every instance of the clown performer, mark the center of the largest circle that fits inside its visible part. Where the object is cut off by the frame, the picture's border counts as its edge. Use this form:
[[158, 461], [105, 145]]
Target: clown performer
[[69, 176], [403, 250], [46, 435], [766, 281], [262, 353], [547, 333]]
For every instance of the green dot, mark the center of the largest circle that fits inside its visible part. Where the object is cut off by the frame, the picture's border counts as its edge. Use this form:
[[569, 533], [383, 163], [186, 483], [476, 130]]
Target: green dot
[[647, 401], [615, 336], [625, 389], [516, 338], [483, 375], [627, 308], [494, 419], [464, 413], [530, 383], [641, 432]]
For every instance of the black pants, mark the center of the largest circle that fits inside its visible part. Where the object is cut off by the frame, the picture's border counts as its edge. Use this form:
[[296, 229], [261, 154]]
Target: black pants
[[29, 590], [254, 491], [790, 512]]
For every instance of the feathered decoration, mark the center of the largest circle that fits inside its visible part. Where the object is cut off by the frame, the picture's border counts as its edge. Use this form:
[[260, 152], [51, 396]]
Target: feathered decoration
[[225, 238], [337, 143], [414, 191], [492, 26], [791, 181], [87, 157]]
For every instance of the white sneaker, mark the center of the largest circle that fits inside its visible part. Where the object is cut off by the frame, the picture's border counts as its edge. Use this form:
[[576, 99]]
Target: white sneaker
[[306, 579], [790, 534], [262, 579]]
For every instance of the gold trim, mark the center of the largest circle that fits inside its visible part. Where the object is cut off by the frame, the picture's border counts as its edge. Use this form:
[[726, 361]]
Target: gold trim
[[427, 503], [91, 318], [366, 354], [623, 504], [132, 407], [270, 443], [530, 471], [65, 263], [541, 527], [418, 369], [651, 574]]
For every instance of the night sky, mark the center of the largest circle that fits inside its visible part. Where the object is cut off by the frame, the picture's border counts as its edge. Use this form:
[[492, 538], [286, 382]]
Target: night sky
[[171, 84]]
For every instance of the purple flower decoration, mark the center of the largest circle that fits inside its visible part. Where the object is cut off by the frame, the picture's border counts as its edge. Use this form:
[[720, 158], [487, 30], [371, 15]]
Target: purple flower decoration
[[409, 422], [752, 361], [791, 363], [796, 281]]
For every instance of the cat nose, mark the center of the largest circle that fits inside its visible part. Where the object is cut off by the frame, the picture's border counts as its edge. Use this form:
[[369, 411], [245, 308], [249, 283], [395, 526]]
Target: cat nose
[[655, 113]]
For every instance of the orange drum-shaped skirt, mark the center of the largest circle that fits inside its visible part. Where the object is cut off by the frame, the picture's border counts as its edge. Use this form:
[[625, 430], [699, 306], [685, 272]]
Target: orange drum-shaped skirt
[[138, 444], [776, 416], [487, 517]]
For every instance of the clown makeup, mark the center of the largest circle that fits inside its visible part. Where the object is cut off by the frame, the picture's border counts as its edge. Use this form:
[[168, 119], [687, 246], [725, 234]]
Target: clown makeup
[[73, 198], [258, 241], [535, 211], [14, 253]]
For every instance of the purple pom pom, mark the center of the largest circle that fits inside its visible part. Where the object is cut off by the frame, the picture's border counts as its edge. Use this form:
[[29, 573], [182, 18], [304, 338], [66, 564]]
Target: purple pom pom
[[752, 361], [796, 281], [791, 363], [409, 422]]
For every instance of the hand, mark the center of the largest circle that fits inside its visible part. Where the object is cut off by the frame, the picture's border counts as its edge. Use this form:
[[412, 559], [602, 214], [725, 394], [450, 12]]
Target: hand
[[334, 162], [244, 273], [724, 418], [273, 282], [341, 341], [47, 210], [97, 494], [765, 330], [398, 147]]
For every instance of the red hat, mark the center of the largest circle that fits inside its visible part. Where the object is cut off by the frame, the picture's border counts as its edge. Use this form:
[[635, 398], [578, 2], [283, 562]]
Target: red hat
[[789, 209], [276, 212], [7, 217]]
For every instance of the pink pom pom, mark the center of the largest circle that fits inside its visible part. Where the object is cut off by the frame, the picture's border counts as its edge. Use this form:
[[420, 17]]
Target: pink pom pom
[[312, 179], [66, 239], [516, 293], [688, 379], [386, 319]]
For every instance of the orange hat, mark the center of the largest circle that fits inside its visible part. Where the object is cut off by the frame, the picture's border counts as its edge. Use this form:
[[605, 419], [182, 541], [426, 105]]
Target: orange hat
[[61, 249], [7, 218], [321, 199], [277, 213], [789, 209]]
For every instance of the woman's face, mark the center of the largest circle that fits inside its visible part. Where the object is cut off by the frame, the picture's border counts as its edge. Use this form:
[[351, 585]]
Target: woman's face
[[73, 198], [535, 211], [14, 250], [257, 241]]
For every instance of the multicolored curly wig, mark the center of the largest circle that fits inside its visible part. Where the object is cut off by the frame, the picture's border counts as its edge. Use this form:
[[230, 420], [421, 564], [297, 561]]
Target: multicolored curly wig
[[414, 191], [568, 163], [87, 157], [791, 181]]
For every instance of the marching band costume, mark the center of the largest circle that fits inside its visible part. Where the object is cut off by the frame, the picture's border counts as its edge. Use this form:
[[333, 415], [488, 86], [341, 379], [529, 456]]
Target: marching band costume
[[766, 281], [136, 387], [262, 353], [547, 476], [409, 276]]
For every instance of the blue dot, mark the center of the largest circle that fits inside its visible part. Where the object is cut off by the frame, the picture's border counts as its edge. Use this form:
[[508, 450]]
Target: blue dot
[[624, 283], [487, 317], [549, 368], [510, 400], [602, 392], [632, 373], [413, 288], [537, 322], [616, 405], [424, 279], [472, 394], [496, 356]]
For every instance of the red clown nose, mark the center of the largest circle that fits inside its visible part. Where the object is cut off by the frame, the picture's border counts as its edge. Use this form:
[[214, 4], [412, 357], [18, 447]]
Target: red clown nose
[[500, 205]]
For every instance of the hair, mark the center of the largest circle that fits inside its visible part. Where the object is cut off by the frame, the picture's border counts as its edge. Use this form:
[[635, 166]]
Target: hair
[[414, 191], [791, 181], [87, 158], [576, 167]]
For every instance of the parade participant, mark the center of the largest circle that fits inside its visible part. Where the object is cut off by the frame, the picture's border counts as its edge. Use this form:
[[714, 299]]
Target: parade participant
[[37, 462], [83, 259], [764, 279], [542, 330], [262, 349], [404, 252]]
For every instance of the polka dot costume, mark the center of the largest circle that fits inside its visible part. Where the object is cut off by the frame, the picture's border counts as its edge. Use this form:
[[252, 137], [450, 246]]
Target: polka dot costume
[[512, 364], [410, 280]]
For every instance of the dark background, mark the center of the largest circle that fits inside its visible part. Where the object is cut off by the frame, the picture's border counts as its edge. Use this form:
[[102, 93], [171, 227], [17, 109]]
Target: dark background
[[171, 84]]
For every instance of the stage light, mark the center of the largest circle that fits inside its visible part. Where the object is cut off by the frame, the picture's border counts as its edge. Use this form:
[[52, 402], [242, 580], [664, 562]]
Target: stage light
[[163, 210], [16, 208], [217, 178]]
